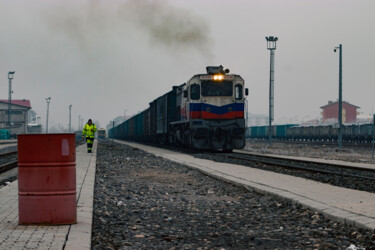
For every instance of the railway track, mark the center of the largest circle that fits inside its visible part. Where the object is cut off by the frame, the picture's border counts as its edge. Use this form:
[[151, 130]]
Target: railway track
[[311, 166], [8, 167], [6, 158], [319, 142], [335, 174]]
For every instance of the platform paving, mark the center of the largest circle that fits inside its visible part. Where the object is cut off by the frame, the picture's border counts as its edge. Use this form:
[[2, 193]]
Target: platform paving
[[344, 205], [76, 236]]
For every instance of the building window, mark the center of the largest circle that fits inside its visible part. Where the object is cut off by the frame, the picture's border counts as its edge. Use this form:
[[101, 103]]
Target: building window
[[14, 112]]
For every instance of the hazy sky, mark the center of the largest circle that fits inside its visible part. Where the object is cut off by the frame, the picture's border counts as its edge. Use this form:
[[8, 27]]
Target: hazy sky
[[105, 57]]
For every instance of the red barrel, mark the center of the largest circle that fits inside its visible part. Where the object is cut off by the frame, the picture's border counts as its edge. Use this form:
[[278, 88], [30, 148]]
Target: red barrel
[[47, 179]]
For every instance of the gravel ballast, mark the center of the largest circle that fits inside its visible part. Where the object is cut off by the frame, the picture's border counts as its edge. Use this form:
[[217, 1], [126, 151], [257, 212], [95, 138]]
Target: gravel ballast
[[142, 201]]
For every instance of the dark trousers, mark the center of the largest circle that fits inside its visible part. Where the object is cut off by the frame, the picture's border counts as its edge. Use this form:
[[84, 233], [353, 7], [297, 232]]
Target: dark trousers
[[90, 142]]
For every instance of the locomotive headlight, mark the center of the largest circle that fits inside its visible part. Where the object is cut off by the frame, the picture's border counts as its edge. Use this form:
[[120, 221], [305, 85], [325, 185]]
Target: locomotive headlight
[[218, 77]]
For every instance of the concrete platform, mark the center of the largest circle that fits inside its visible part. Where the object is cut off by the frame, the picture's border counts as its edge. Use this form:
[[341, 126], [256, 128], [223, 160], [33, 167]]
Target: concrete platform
[[344, 205], [76, 236]]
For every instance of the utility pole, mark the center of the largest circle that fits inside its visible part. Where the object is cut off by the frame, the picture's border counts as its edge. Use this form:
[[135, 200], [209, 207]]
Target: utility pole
[[70, 118], [10, 78], [373, 135], [271, 46], [340, 95], [79, 122], [48, 100]]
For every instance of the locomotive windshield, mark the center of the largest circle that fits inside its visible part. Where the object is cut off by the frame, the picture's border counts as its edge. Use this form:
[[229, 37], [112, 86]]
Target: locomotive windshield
[[215, 88]]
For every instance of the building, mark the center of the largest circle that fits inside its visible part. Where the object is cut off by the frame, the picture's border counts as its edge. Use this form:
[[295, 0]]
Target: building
[[257, 120], [34, 129], [34, 126], [331, 112], [32, 117], [19, 115]]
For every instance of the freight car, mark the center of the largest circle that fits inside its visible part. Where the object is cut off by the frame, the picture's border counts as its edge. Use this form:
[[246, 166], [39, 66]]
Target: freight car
[[101, 133], [78, 135], [261, 132], [352, 133], [206, 112]]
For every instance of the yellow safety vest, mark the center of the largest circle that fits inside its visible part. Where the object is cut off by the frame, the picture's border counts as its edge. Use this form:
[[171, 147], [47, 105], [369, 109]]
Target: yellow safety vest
[[89, 130]]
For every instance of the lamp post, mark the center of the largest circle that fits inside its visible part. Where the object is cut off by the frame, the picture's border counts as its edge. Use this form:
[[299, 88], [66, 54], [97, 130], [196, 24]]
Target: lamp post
[[79, 122], [340, 94], [48, 100], [271, 46], [70, 118], [10, 78]]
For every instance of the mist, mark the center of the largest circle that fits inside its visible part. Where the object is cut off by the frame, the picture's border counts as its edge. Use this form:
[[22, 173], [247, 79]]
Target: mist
[[91, 54], [111, 58]]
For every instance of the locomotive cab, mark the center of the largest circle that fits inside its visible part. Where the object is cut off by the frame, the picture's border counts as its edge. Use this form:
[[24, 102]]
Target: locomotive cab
[[212, 107]]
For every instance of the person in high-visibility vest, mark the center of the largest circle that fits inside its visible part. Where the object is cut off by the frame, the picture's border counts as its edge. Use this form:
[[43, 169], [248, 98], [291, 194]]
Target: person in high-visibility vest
[[89, 131]]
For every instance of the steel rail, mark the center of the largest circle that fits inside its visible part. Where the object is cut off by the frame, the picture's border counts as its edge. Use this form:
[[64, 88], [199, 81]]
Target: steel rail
[[314, 170], [8, 154], [304, 161], [8, 166], [317, 142]]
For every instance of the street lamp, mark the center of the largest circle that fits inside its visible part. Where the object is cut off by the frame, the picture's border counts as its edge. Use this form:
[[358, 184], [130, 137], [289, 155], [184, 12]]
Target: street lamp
[[79, 122], [70, 118], [340, 94], [10, 78], [271, 46], [48, 100]]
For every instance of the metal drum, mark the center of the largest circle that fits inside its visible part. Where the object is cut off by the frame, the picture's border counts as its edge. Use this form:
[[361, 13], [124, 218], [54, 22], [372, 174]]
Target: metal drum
[[47, 179]]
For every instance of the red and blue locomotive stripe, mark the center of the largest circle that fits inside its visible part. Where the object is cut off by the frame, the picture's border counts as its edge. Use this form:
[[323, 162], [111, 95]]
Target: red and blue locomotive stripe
[[208, 111]]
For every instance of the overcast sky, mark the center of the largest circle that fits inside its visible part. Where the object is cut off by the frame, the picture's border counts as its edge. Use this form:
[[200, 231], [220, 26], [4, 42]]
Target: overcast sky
[[110, 57]]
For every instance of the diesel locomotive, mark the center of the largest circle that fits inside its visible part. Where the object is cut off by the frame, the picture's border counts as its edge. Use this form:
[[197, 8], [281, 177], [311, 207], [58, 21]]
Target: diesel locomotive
[[207, 112]]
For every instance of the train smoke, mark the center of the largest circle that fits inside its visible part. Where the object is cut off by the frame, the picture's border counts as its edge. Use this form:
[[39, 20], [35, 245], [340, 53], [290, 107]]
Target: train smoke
[[168, 25], [94, 22]]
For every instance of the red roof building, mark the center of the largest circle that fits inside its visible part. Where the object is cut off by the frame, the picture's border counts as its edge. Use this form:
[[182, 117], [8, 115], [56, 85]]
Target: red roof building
[[331, 112], [23, 102], [18, 115]]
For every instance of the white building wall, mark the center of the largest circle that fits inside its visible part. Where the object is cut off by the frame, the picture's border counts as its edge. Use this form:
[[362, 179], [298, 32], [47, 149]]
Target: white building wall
[[19, 118]]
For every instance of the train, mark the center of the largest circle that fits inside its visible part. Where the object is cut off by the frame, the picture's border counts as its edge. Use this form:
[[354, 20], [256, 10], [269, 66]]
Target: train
[[78, 135], [101, 134], [207, 112], [351, 133]]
